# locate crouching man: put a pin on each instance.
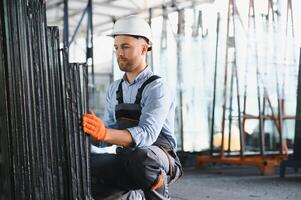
(139, 119)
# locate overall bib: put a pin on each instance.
(135, 169)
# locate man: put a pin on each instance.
(139, 118)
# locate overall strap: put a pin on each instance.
(140, 90)
(119, 93)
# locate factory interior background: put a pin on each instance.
(233, 65)
(266, 53)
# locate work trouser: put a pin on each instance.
(124, 175)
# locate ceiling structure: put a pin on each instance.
(105, 12)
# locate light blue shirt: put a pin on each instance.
(158, 108)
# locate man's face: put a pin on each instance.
(130, 52)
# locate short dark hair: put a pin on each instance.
(147, 40)
(138, 36)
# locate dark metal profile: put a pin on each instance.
(5, 184)
(297, 139)
(44, 153)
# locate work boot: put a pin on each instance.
(160, 193)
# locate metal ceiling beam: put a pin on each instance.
(113, 6)
(103, 14)
(73, 14)
(78, 25)
(105, 23)
(105, 4)
(78, 12)
(170, 8)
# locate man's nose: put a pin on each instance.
(119, 52)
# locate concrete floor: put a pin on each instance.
(221, 182)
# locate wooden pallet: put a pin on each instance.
(265, 164)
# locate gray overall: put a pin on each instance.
(130, 171)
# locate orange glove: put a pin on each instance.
(94, 126)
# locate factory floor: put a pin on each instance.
(223, 182)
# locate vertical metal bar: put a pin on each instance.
(65, 118)
(35, 146)
(51, 111)
(60, 117)
(5, 147)
(35, 165)
(113, 56)
(85, 146)
(150, 57)
(16, 107)
(49, 136)
(40, 29)
(89, 43)
(297, 138)
(81, 135)
(225, 79)
(280, 114)
(262, 139)
(25, 108)
(85, 109)
(230, 116)
(279, 118)
(66, 24)
(214, 84)
(244, 114)
(70, 131)
(19, 104)
(259, 98)
(242, 137)
(75, 124)
(55, 115)
(251, 14)
(181, 28)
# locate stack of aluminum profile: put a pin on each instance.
(44, 153)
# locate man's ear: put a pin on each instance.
(144, 49)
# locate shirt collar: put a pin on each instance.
(141, 76)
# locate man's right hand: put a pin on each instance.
(94, 126)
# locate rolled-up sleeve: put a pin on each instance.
(156, 103)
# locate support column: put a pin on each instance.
(180, 37)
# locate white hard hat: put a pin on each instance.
(133, 25)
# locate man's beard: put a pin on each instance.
(124, 65)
